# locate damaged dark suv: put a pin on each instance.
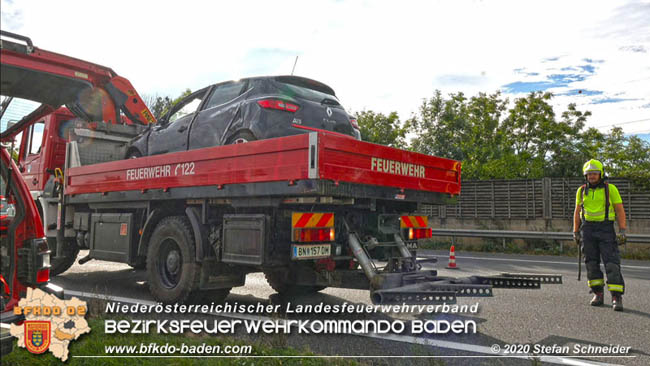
(246, 110)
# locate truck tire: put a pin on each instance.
(59, 265)
(172, 271)
(276, 279)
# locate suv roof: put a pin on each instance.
(291, 79)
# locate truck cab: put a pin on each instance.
(42, 149)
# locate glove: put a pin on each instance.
(621, 238)
(577, 237)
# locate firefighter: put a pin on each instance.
(598, 204)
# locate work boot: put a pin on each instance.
(617, 302)
(597, 300)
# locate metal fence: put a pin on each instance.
(546, 198)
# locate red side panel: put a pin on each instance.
(340, 158)
(277, 159)
(348, 160)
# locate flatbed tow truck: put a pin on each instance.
(311, 211)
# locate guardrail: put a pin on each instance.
(548, 235)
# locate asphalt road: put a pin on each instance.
(555, 315)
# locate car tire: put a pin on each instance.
(59, 265)
(172, 271)
(277, 280)
(241, 137)
(133, 154)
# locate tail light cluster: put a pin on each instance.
(413, 233)
(278, 104)
(415, 227)
(34, 262)
(312, 227)
(304, 235)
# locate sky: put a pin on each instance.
(379, 55)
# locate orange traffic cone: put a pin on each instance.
(452, 258)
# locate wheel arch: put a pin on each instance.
(133, 149)
(230, 136)
(157, 214)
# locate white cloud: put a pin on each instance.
(380, 55)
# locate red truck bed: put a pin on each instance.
(315, 155)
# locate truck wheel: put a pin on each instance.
(62, 264)
(171, 269)
(276, 279)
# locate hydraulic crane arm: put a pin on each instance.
(93, 92)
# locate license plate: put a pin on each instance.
(310, 251)
(412, 245)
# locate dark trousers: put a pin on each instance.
(599, 240)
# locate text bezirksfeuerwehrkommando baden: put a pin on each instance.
(276, 326)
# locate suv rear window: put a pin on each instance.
(306, 89)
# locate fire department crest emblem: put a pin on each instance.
(38, 334)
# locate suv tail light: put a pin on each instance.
(34, 262)
(278, 104)
(353, 122)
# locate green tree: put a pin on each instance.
(381, 129)
(527, 127)
(494, 141)
(626, 157)
(160, 105)
(550, 146)
(574, 148)
(485, 145)
(440, 126)
(463, 129)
